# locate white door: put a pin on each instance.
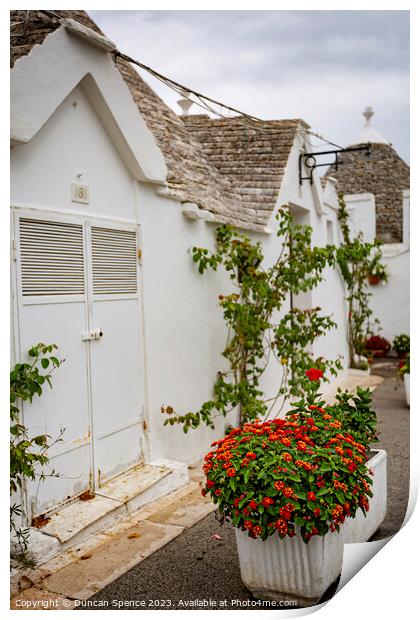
(78, 279)
(116, 373)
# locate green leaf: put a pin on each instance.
(323, 491)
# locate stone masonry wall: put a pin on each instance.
(383, 174)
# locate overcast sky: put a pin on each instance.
(321, 66)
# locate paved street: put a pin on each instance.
(194, 566)
(394, 429)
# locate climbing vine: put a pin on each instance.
(261, 321)
(26, 453)
(354, 257)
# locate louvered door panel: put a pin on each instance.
(114, 261)
(51, 258)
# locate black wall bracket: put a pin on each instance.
(308, 161)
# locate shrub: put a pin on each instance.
(306, 473)
(354, 260)
(27, 453)
(377, 343)
(261, 325)
(401, 343)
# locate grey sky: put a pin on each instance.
(322, 66)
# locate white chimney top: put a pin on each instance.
(368, 134)
(185, 104)
(368, 113)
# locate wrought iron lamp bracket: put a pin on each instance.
(308, 161)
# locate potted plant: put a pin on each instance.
(377, 346)
(401, 345)
(287, 485)
(404, 371)
(377, 271)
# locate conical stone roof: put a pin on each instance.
(383, 174)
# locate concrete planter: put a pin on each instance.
(290, 570)
(361, 528)
(407, 387)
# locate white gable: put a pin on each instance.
(43, 79)
(72, 148)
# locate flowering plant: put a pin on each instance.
(354, 260)
(401, 343)
(304, 473)
(404, 366)
(377, 343)
(377, 268)
(261, 327)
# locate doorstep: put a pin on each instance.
(81, 570)
(123, 494)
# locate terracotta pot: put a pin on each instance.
(402, 355)
(374, 280)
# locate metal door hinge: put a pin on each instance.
(139, 254)
(14, 256)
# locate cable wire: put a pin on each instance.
(201, 100)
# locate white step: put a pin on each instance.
(114, 499)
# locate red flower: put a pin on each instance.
(248, 525)
(251, 455)
(285, 513)
(203, 492)
(311, 496)
(210, 483)
(282, 527)
(253, 505)
(317, 512)
(314, 374)
(236, 501)
(267, 501)
(256, 531)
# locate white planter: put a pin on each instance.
(407, 387)
(361, 528)
(288, 569)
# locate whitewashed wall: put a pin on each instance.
(390, 302)
(184, 328)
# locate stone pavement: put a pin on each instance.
(80, 572)
(174, 553)
(394, 437)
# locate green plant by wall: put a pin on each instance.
(252, 315)
(354, 257)
(401, 343)
(27, 453)
(376, 267)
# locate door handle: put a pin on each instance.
(93, 334)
